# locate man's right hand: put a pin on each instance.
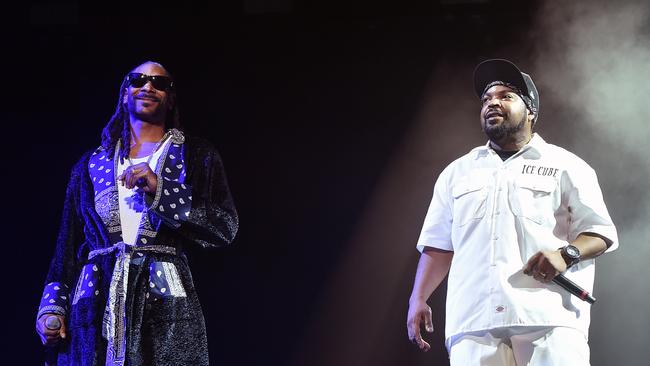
(50, 336)
(419, 313)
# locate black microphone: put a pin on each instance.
(574, 289)
(52, 351)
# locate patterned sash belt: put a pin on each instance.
(114, 323)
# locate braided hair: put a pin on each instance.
(118, 126)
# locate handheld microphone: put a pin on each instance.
(51, 352)
(574, 289)
(52, 322)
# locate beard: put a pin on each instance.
(152, 115)
(503, 130)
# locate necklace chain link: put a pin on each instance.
(155, 148)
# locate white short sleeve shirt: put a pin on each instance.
(494, 215)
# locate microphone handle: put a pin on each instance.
(52, 351)
(573, 288)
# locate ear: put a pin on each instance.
(531, 116)
(125, 96)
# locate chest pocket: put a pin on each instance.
(470, 201)
(533, 198)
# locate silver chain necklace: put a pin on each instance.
(155, 148)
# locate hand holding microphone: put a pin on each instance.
(51, 328)
(547, 266)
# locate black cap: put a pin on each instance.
(506, 73)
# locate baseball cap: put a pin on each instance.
(503, 72)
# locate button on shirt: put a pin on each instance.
(494, 215)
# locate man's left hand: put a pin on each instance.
(545, 265)
(139, 175)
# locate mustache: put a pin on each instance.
(147, 97)
(493, 112)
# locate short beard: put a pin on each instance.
(498, 133)
(154, 118)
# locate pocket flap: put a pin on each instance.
(466, 186)
(536, 183)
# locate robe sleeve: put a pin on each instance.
(201, 209)
(64, 267)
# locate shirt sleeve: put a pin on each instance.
(587, 209)
(436, 230)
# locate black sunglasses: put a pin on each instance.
(138, 80)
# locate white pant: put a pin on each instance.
(520, 346)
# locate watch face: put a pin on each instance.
(572, 251)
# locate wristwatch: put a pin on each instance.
(571, 255)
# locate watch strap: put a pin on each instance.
(570, 259)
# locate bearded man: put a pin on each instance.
(504, 221)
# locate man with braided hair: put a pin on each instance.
(119, 290)
(504, 220)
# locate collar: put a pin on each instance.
(534, 146)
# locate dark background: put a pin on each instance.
(308, 103)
